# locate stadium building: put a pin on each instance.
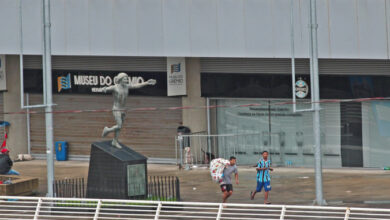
(224, 53)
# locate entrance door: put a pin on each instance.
(351, 135)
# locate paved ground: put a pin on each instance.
(342, 187)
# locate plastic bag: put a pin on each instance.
(216, 169)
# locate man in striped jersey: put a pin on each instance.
(263, 177)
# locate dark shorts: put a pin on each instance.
(226, 187)
(266, 185)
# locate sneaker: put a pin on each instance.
(105, 132)
(116, 144)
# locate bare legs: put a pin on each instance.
(226, 195)
(119, 117)
(253, 194)
(265, 196)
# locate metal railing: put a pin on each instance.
(200, 149)
(70, 188)
(71, 208)
(164, 188)
(160, 188)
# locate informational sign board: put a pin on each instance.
(93, 82)
(136, 180)
(176, 76)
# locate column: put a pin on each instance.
(195, 119)
(17, 136)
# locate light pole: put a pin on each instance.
(316, 98)
(49, 97)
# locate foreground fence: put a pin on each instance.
(164, 188)
(70, 188)
(200, 149)
(95, 209)
(160, 188)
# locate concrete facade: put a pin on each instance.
(195, 119)
(201, 28)
(184, 28)
(17, 136)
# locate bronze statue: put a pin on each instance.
(120, 90)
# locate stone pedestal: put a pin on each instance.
(116, 173)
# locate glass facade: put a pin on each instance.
(376, 133)
(353, 134)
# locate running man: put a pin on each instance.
(263, 177)
(226, 181)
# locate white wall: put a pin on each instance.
(199, 28)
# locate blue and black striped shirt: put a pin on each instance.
(263, 175)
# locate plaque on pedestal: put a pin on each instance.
(116, 173)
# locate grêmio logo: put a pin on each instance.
(175, 68)
(301, 89)
(64, 82)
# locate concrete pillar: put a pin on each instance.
(17, 136)
(195, 119)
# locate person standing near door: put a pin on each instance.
(263, 177)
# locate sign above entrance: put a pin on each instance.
(301, 89)
(92, 82)
(176, 76)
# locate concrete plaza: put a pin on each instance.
(342, 187)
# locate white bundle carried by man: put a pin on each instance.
(216, 168)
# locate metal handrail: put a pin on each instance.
(74, 208)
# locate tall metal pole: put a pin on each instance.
(21, 53)
(208, 128)
(49, 97)
(208, 116)
(292, 54)
(316, 93)
(28, 125)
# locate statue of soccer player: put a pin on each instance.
(120, 90)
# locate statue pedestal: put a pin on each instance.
(116, 173)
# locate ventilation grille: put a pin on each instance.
(283, 66)
(156, 64)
